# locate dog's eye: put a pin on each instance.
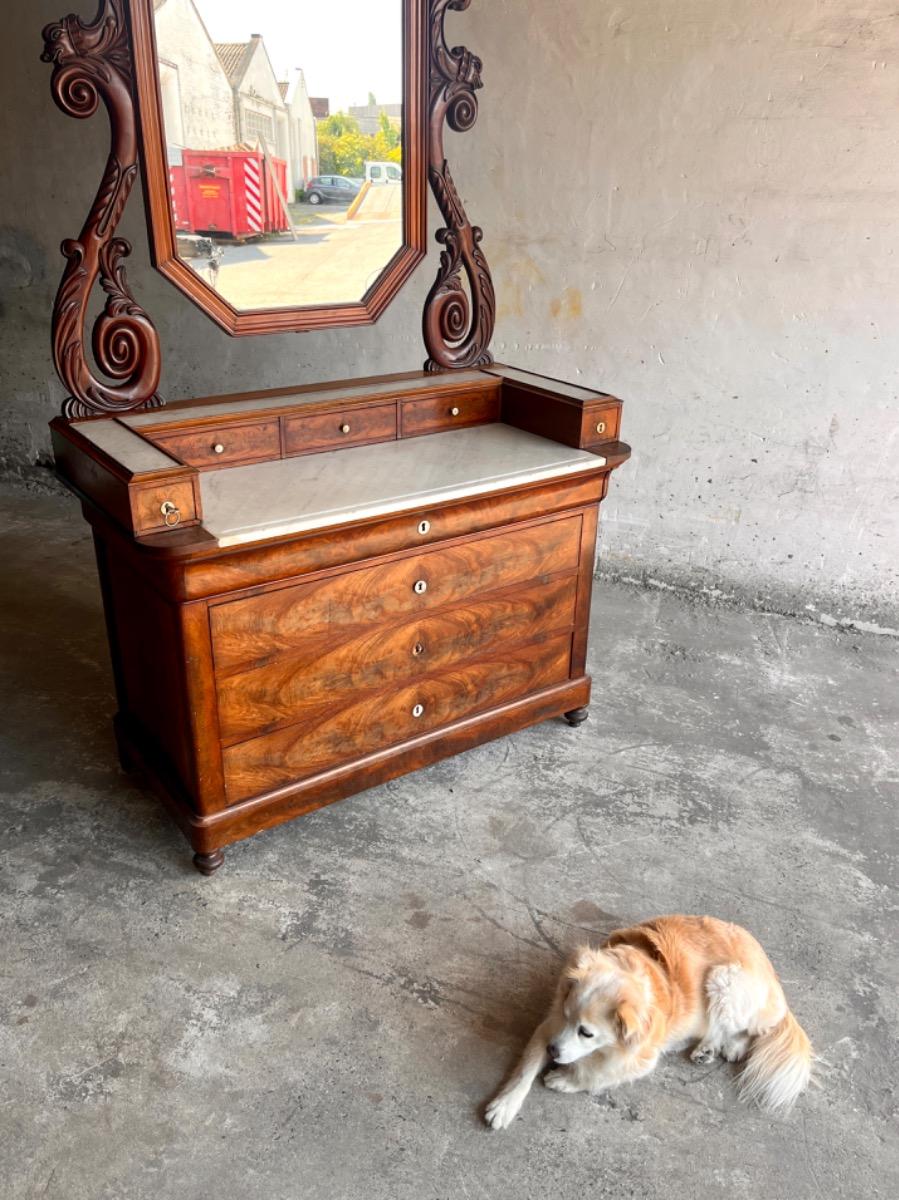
(584, 1032)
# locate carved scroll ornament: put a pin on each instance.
(457, 324)
(93, 62)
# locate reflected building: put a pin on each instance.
(222, 95)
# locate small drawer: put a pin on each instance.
(373, 722)
(162, 506)
(449, 412)
(351, 427)
(600, 424)
(223, 444)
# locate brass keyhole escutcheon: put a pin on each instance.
(420, 587)
(418, 649)
(418, 710)
(344, 429)
(454, 412)
(600, 426)
(171, 514)
(424, 527)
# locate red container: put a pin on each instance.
(178, 195)
(275, 217)
(229, 193)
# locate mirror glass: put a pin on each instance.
(283, 124)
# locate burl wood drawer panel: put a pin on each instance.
(215, 446)
(600, 424)
(328, 675)
(449, 412)
(150, 503)
(352, 427)
(261, 628)
(383, 719)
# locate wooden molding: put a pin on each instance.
(457, 324)
(92, 62)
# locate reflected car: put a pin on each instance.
(332, 188)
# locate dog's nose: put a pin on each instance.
(553, 1051)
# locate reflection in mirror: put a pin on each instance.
(283, 128)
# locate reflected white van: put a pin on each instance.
(384, 172)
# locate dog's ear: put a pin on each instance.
(631, 1023)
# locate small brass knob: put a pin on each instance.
(418, 649)
(418, 710)
(218, 448)
(344, 429)
(420, 587)
(424, 527)
(454, 412)
(600, 426)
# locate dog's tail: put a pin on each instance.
(779, 1066)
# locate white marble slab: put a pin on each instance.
(542, 381)
(125, 447)
(229, 407)
(295, 495)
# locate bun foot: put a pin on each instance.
(576, 716)
(208, 864)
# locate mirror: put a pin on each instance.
(282, 149)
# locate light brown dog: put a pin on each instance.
(657, 987)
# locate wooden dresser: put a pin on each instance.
(309, 592)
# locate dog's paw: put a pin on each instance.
(502, 1110)
(560, 1081)
(702, 1054)
(737, 1048)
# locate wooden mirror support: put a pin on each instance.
(94, 61)
(457, 330)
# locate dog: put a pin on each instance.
(658, 987)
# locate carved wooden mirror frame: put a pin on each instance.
(97, 61)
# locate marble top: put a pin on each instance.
(225, 407)
(295, 495)
(127, 448)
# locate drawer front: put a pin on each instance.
(600, 425)
(385, 719)
(152, 503)
(288, 620)
(225, 444)
(325, 431)
(328, 676)
(249, 567)
(449, 412)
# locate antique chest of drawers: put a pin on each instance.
(311, 592)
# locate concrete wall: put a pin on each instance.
(694, 204)
(690, 203)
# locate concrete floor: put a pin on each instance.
(324, 1019)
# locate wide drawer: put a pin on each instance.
(215, 446)
(449, 412)
(351, 427)
(289, 620)
(328, 675)
(384, 719)
(247, 567)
